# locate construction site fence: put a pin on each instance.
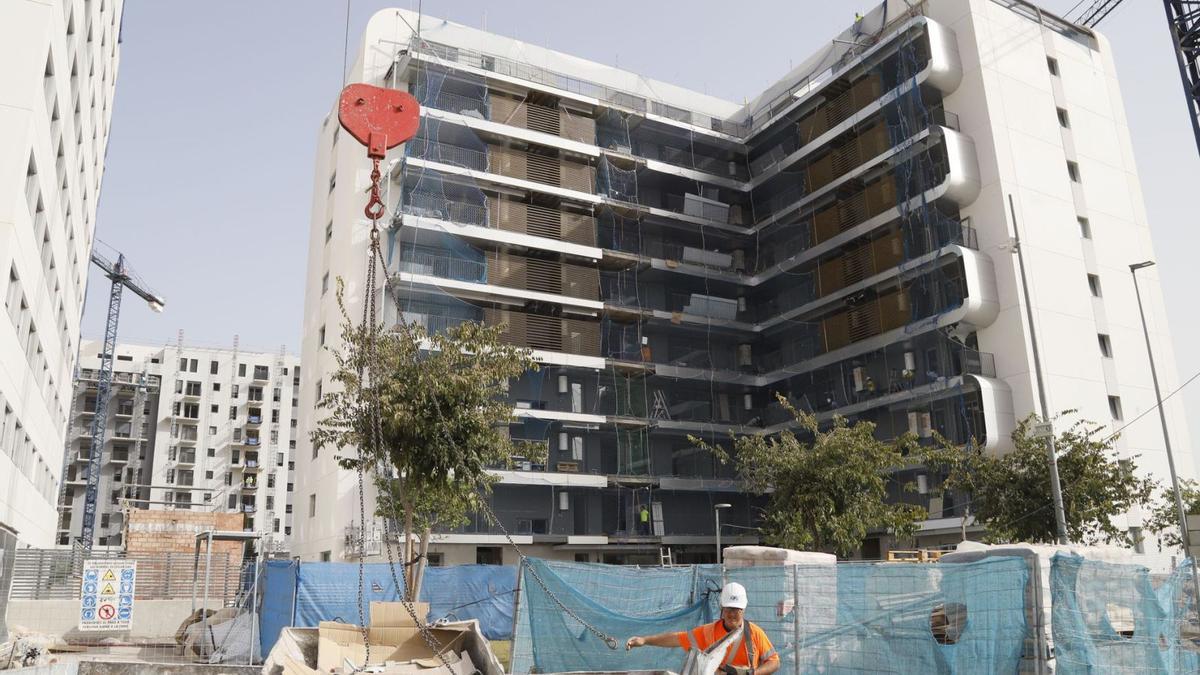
(306, 593)
(54, 574)
(969, 617)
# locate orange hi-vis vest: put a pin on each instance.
(752, 655)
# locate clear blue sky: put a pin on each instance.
(209, 168)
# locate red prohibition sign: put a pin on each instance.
(107, 612)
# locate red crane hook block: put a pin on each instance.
(378, 118)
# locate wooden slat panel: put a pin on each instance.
(544, 332)
(544, 276)
(579, 177)
(576, 127)
(578, 229)
(543, 169)
(541, 118)
(507, 110)
(507, 162)
(544, 222)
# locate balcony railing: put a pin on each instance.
(443, 266)
(444, 153)
(525, 71)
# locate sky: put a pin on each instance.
(209, 171)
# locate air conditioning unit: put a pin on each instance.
(567, 467)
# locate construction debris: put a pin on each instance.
(397, 646)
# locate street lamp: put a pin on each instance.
(1162, 418)
(717, 513)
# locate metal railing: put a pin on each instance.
(53, 574)
(432, 205)
(444, 153)
(623, 99)
(444, 266)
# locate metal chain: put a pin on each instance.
(374, 210)
(604, 637)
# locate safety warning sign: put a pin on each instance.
(106, 595)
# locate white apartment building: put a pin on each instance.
(675, 260)
(189, 428)
(56, 92)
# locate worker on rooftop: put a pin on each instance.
(752, 656)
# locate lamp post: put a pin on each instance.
(1162, 418)
(1060, 514)
(717, 514)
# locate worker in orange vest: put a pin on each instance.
(751, 655)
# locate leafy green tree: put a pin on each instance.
(1164, 516)
(442, 418)
(1011, 496)
(826, 493)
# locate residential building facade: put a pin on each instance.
(676, 262)
(56, 93)
(188, 428)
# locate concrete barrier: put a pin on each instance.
(152, 619)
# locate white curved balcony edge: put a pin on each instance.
(497, 235)
(999, 416)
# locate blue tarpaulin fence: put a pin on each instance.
(304, 594)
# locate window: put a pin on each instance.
(193, 365)
(326, 556)
(1052, 64)
(1105, 346)
(212, 452)
(212, 431)
(213, 367)
(488, 555)
(1064, 120)
(329, 231)
(325, 283)
(287, 530)
(436, 559)
(1094, 285)
(216, 386)
(1073, 171)
(215, 409)
(321, 336)
(1085, 227)
(1114, 407)
(241, 370)
(208, 475)
(312, 506)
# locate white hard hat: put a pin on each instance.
(733, 595)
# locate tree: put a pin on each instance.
(827, 493)
(1011, 496)
(441, 424)
(1164, 516)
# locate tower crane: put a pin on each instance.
(121, 277)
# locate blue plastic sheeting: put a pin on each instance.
(848, 618)
(305, 594)
(1110, 618)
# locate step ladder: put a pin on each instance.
(661, 411)
(664, 556)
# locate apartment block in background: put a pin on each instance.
(189, 428)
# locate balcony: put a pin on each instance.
(251, 465)
(261, 374)
(254, 419)
(186, 458)
(249, 485)
(249, 508)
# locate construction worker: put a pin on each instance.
(752, 655)
(644, 520)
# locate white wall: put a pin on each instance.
(35, 388)
(1007, 103)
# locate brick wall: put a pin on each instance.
(157, 532)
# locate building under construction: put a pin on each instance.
(845, 239)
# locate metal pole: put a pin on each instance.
(204, 600)
(253, 608)
(796, 616)
(1060, 515)
(1162, 417)
(717, 513)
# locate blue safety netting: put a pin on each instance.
(305, 594)
(1110, 618)
(848, 618)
